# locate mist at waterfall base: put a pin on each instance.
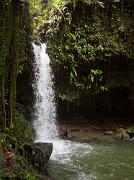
(74, 160)
(45, 125)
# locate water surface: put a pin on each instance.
(92, 160)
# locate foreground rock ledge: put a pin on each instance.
(37, 155)
(46, 148)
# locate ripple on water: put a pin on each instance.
(90, 161)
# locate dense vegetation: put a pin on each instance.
(86, 40)
(15, 43)
(90, 44)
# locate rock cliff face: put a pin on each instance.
(37, 155)
(91, 52)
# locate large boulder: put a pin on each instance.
(46, 148)
(37, 155)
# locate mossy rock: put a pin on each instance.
(125, 133)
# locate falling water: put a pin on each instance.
(45, 106)
(45, 113)
(74, 160)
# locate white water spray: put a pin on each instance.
(45, 110)
(45, 106)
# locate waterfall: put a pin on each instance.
(44, 124)
(44, 105)
(45, 110)
(45, 117)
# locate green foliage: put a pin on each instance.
(75, 51)
(83, 35)
(23, 129)
(42, 14)
(17, 133)
(10, 137)
(124, 132)
(35, 11)
(17, 172)
(54, 12)
(14, 50)
(79, 43)
(68, 94)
